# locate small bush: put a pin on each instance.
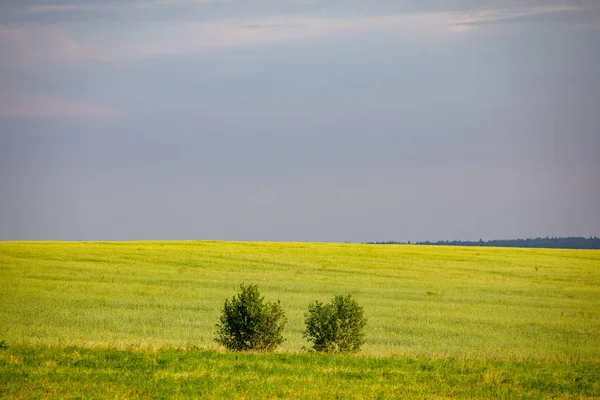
(3, 345)
(248, 323)
(337, 326)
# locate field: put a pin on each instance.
(131, 319)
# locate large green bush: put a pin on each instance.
(248, 323)
(337, 326)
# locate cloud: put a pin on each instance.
(476, 19)
(31, 47)
(157, 40)
(118, 6)
(26, 48)
(39, 106)
(29, 55)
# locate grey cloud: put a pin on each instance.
(349, 202)
(366, 136)
(113, 12)
(583, 17)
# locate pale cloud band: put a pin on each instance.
(116, 6)
(28, 45)
(39, 106)
(36, 48)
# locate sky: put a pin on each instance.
(299, 120)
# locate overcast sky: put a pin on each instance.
(301, 120)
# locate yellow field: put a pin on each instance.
(419, 300)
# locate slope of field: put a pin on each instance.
(435, 302)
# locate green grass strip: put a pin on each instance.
(75, 372)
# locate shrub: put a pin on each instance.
(248, 323)
(337, 326)
(3, 345)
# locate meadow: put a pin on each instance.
(452, 322)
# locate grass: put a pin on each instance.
(74, 372)
(528, 320)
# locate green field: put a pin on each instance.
(485, 322)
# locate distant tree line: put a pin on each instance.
(545, 243)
